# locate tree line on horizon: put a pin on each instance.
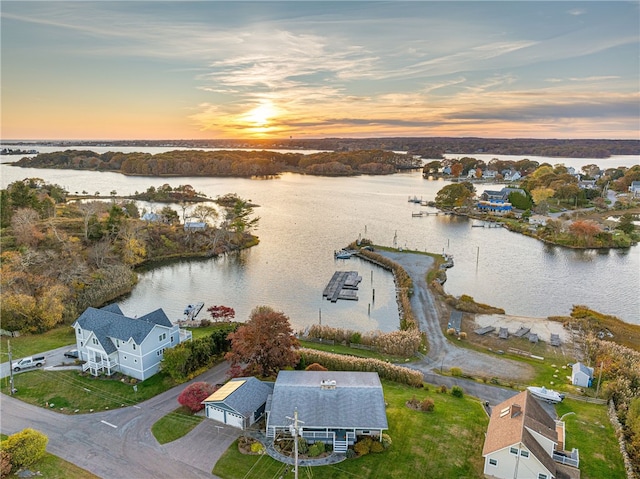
(226, 163)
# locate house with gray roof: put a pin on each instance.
(109, 342)
(333, 406)
(634, 188)
(239, 403)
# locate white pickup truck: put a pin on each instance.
(28, 363)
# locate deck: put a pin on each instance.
(342, 285)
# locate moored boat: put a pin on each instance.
(343, 254)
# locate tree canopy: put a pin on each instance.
(454, 195)
(266, 343)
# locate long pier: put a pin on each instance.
(343, 285)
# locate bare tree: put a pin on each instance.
(24, 224)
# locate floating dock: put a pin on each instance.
(192, 310)
(343, 285)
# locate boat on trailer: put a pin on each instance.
(548, 395)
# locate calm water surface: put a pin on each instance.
(305, 218)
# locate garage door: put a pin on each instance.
(235, 420)
(215, 414)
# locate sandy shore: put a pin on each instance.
(540, 326)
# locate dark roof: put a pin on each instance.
(355, 400)
(107, 324)
(247, 398)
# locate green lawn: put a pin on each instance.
(174, 425)
(53, 467)
(445, 443)
(590, 431)
(71, 392)
(29, 344)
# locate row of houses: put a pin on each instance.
(335, 407)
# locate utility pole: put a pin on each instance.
(11, 388)
(295, 429)
(599, 378)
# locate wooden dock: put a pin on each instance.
(343, 285)
(192, 310)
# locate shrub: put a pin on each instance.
(314, 450)
(303, 445)
(26, 447)
(320, 446)
(257, 448)
(456, 371)
(193, 395)
(427, 405)
(463, 335)
(315, 367)
(351, 454)
(451, 331)
(362, 448)
(386, 441)
(355, 338)
(339, 362)
(457, 391)
(376, 446)
(5, 463)
(443, 389)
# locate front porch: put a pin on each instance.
(97, 363)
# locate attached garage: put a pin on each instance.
(239, 403)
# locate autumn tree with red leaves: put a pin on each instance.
(222, 313)
(266, 343)
(193, 395)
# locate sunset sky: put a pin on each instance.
(303, 69)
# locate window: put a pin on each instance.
(94, 340)
(79, 331)
(514, 450)
(542, 476)
(493, 462)
(172, 338)
(134, 346)
(524, 453)
(125, 358)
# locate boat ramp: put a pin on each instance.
(343, 285)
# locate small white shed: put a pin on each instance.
(581, 375)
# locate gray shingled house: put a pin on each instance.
(335, 406)
(239, 403)
(108, 341)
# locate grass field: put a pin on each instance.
(70, 392)
(589, 430)
(29, 344)
(445, 443)
(174, 425)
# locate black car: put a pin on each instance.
(72, 353)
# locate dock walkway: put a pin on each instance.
(343, 285)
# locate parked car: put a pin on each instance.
(72, 353)
(28, 363)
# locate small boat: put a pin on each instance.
(342, 254)
(548, 395)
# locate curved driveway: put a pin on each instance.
(118, 443)
(442, 353)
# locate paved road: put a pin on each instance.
(54, 358)
(442, 353)
(116, 444)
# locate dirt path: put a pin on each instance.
(442, 353)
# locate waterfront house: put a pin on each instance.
(239, 403)
(333, 406)
(581, 375)
(512, 175)
(524, 441)
(587, 184)
(195, 226)
(634, 188)
(109, 342)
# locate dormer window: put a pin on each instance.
(134, 346)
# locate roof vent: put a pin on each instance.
(328, 384)
(516, 410)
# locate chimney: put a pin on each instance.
(516, 410)
(328, 384)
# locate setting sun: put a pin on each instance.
(259, 117)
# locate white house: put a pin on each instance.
(335, 406)
(581, 375)
(634, 188)
(108, 341)
(524, 442)
(239, 403)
